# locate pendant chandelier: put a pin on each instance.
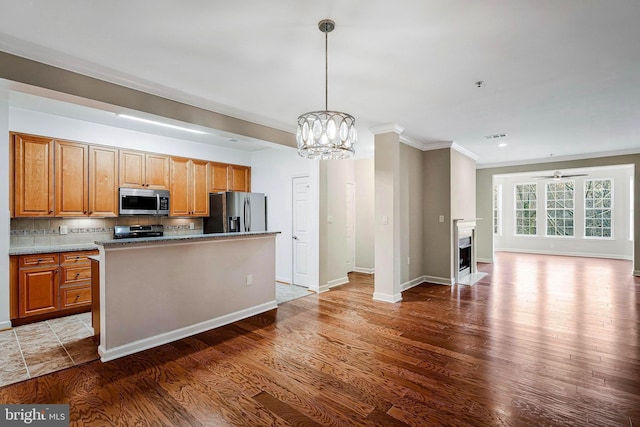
(326, 134)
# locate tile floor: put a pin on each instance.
(287, 292)
(40, 348)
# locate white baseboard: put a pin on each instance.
(485, 260)
(379, 296)
(167, 337)
(364, 270)
(5, 325)
(439, 280)
(636, 272)
(411, 283)
(337, 282)
(577, 254)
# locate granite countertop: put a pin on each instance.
(191, 237)
(32, 250)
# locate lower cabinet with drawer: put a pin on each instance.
(45, 286)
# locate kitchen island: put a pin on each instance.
(160, 289)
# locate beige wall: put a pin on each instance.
(146, 300)
(365, 215)
(463, 186)
(484, 191)
(411, 214)
(334, 174)
(437, 201)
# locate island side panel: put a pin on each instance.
(160, 289)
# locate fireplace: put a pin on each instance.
(464, 249)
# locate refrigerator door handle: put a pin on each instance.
(248, 222)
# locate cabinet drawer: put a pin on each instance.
(76, 258)
(39, 260)
(75, 296)
(75, 274)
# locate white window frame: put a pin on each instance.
(497, 209)
(547, 209)
(611, 208)
(515, 209)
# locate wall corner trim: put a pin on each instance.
(379, 296)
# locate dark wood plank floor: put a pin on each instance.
(540, 341)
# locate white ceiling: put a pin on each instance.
(562, 77)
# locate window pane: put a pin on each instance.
(598, 204)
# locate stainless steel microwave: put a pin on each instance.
(137, 201)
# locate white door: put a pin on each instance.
(300, 232)
(350, 227)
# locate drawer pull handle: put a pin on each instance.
(77, 257)
(78, 296)
(39, 259)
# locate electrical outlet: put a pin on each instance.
(330, 219)
(64, 229)
(441, 218)
(249, 279)
(192, 226)
(385, 219)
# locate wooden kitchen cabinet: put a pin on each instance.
(72, 179)
(49, 285)
(239, 178)
(86, 180)
(144, 170)
(33, 176)
(37, 284)
(218, 177)
(103, 181)
(189, 187)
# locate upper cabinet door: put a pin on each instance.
(200, 188)
(33, 176)
(240, 177)
(103, 181)
(179, 201)
(219, 177)
(132, 165)
(157, 171)
(144, 170)
(72, 179)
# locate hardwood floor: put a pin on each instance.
(539, 341)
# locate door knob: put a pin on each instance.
(295, 237)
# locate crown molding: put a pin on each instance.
(465, 152)
(387, 128)
(584, 156)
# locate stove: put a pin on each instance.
(137, 231)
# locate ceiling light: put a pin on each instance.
(153, 122)
(326, 134)
(502, 144)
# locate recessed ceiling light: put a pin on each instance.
(502, 144)
(232, 140)
(153, 122)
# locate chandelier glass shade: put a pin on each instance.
(326, 134)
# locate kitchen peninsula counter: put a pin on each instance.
(160, 289)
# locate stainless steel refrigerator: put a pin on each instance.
(234, 211)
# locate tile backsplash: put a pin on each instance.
(27, 232)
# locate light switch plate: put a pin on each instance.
(441, 218)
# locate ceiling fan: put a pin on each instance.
(559, 175)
